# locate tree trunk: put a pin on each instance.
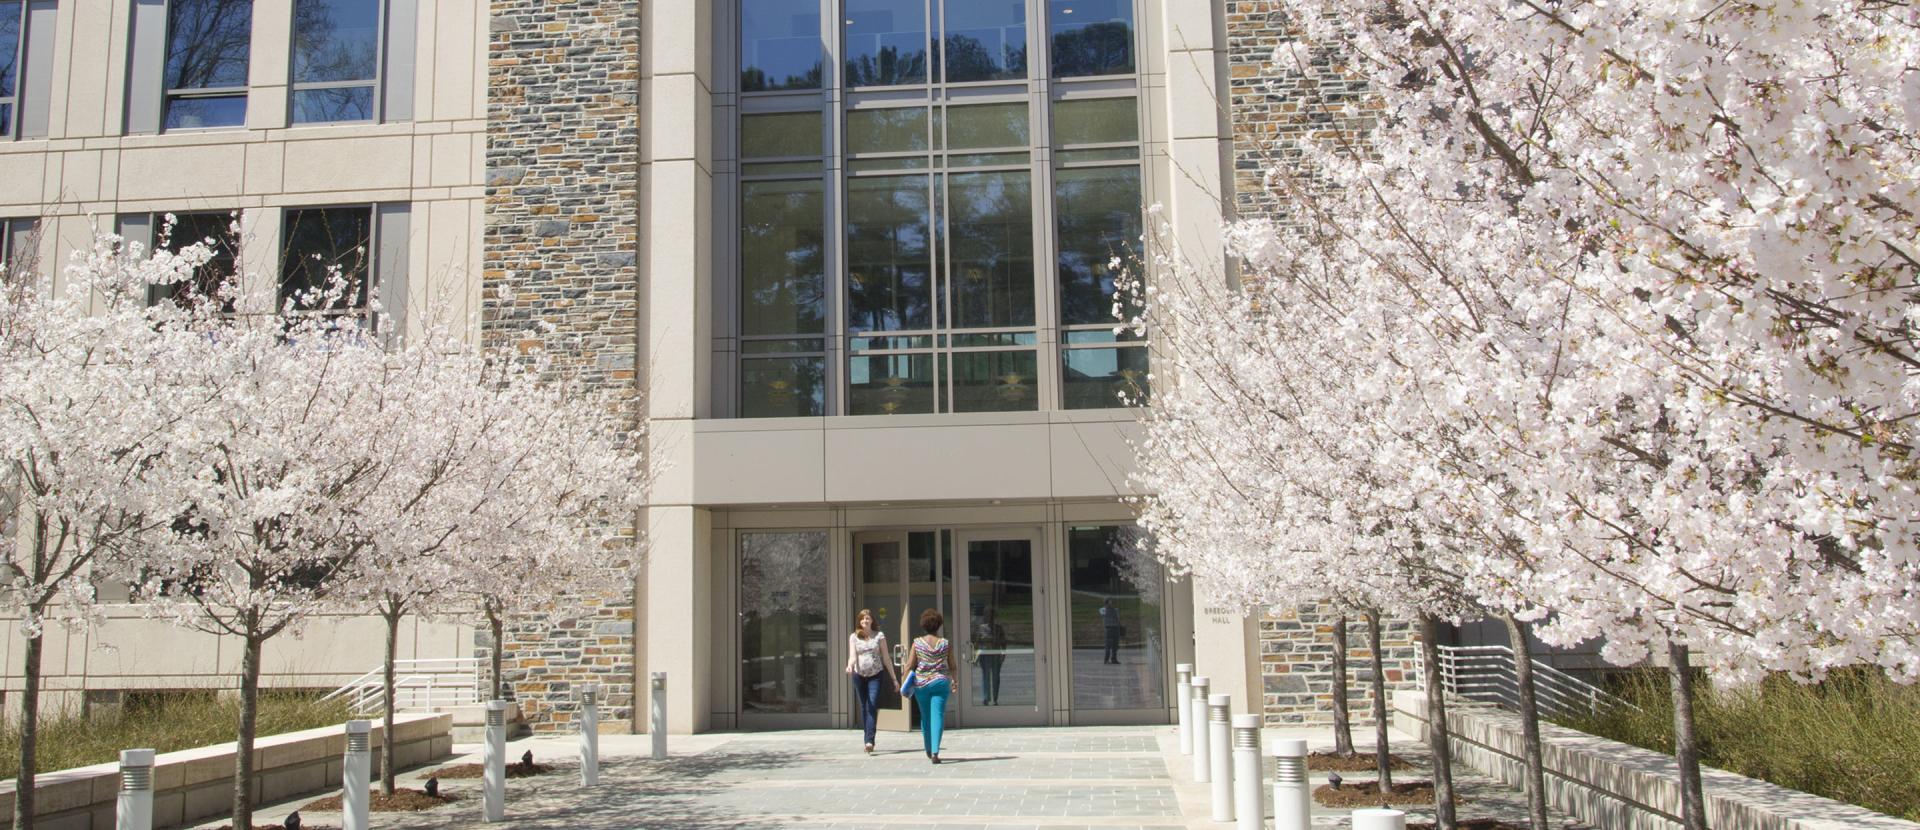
(1686, 742)
(392, 613)
(1536, 780)
(1342, 719)
(249, 724)
(29, 729)
(499, 646)
(1382, 754)
(1438, 735)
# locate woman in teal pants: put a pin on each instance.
(932, 683)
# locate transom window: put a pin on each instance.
(930, 208)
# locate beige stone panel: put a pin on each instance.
(180, 174)
(266, 107)
(678, 577)
(349, 164)
(883, 518)
(131, 647)
(444, 273)
(422, 161)
(1100, 512)
(1189, 25)
(426, 41)
(327, 647)
(50, 178)
(1192, 109)
(458, 62)
(79, 177)
(266, 167)
(945, 463)
(777, 466)
(260, 230)
(1092, 459)
(21, 178)
(681, 34)
(676, 101)
(672, 443)
(451, 160)
(677, 260)
(91, 53)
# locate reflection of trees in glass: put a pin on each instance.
(207, 43)
(888, 67)
(992, 249)
(755, 79)
(1094, 49)
(323, 242)
(782, 246)
(335, 40)
(887, 254)
(783, 572)
(968, 59)
(783, 600)
(1099, 217)
(783, 387)
(10, 11)
(1136, 565)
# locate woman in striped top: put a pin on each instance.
(931, 684)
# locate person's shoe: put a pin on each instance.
(869, 749)
(936, 759)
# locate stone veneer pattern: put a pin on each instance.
(1296, 666)
(560, 248)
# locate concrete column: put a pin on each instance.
(134, 807)
(678, 586)
(493, 763)
(1292, 801)
(1185, 708)
(1202, 758)
(1220, 754)
(1249, 803)
(355, 771)
(589, 720)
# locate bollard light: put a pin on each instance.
(589, 735)
(1249, 807)
(1374, 818)
(134, 808)
(493, 763)
(1202, 760)
(355, 771)
(1185, 691)
(1220, 752)
(657, 726)
(1292, 803)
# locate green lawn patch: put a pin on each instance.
(165, 722)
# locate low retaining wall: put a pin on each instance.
(1622, 787)
(195, 784)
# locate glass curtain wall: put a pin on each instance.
(897, 205)
(784, 662)
(1117, 590)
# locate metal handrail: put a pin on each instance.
(427, 683)
(1488, 674)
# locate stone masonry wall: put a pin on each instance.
(1296, 666)
(561, 247)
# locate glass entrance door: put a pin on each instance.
(897, 576)
(997, 629)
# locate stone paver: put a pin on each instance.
(1088, 778)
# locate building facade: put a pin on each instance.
(853, 259)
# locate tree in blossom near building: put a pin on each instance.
(1631, 285)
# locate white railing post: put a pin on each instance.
(1220, 745)
(1249, 807)
(1377, 819)
(657, 724)
(133, 809)
(589, 735)
(1185, 709)
(1292, 804)
(1202, 758)
(493, 760)
(356, 770)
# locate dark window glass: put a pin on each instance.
(995, 382)
(1095, 121)
(1118, 653)
(336, 43)
(10, 15)
(780, 135)
(782, 266)
(990, 244)
(779, 45)
(1097, 378)
(1099, 218)
(981, 126)
(321, 243)
(208, 44)
(887, 254)
(1091, 37)
(783, 623)
(890, 384)
(986, 40)
(783, 387)
(886, 42)
(214, 230)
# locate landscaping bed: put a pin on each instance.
(514, 770)
(403, 800)
(1357, 762)
(164, 722)
(1366, 794)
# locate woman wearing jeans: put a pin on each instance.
(931, 684)
(866, 662)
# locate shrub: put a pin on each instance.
(166, 722)
(1851, 738)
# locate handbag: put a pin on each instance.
(906, 685)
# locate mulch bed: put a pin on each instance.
(278, 827)
(1357, 762)
(514, 770)
(403, 800)
(1365, 794)
(1475, 824)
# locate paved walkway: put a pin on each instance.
(991, 779)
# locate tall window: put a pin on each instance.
(26, 63)
(336, 60)
(208, 47)
(1118, 652)
(784, 666)
(898, 209)
(17, 238)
